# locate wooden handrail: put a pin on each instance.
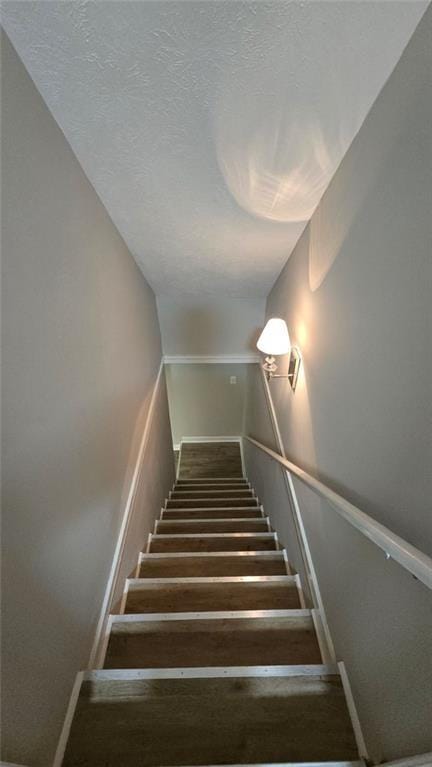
(408, 556)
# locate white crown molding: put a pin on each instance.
(216, 359)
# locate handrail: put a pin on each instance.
(411, 558)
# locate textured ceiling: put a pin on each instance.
(210, 129)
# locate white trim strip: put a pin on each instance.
(321, 637)
(215, 579)
(189, 492)
(237, 484)
(408, 556)
(266, 536)
(122, 536)
(287, 564)
(124, 597)
(105, 643)
(210, 359)
(178, 461)
(309, 764)
(149, 541)
(64, 735)
(209, 672)
(275, 554)
(258, 507)
(300, 590)
(200, 440)
(215, 615)
(352, 710)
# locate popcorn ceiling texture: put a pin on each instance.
(210, 129)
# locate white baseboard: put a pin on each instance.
(214, 359)
(64, 735)
(121, 540)
(355, 721)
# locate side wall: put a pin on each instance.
(356, 295)
(81, 352)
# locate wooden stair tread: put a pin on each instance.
(227, 641)
(227, 512)
(211, 480)
(233, 593)
(218, 493)
(213, 563)
(214, 542)
(212, 485)
(185, 503)
(236, 525)
(157, 720)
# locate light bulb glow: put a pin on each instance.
(274, 339)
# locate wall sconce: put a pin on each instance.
(274, 341)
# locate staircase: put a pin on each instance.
(213, 659)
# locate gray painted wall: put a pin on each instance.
(203, 402)
(356, 295)
(210, 325)
(81, 350)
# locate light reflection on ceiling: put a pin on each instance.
(210, 129)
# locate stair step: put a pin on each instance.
(211, 486)
(223, 640)
(241, 525)
(218, 542)
(211, 480)
(212, 564)
(261, 592)
(224, 512)
(210, 716)
(191, 503)
(219, 493)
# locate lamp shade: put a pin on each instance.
(274, 339)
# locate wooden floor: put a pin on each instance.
(210, 459)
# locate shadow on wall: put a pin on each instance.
(337, 211)
(253, 338)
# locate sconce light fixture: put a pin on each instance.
(274, 341)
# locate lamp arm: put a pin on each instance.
(293, 366)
